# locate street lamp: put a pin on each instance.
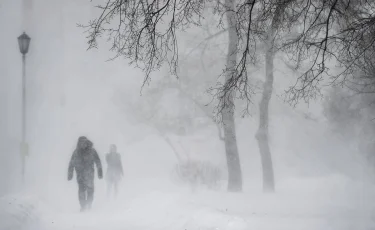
(23, 43)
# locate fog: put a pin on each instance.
(322, 180)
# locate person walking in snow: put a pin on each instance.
(83, 159)
(114, 170)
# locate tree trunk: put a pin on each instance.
(262, 134)
(233, 160)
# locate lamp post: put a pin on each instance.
(23, 43)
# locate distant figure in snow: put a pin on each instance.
(114, 170)
(83, 159)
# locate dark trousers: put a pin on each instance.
(85, 194)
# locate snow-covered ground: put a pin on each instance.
(148, 199)
(304, 208)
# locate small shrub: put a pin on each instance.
(198, 173)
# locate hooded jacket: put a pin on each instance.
(83, 159)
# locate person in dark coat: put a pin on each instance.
(114, 170)
(83, 159)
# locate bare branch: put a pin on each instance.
(341, 30)
(204, 42)
(145, 32)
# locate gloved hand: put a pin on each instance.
(70, 176)
(100, 173)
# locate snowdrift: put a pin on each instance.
(155, 210)
(20, 212)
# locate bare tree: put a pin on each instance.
(341, 31)
(141, 35)
(226, 97)
(319, 32)
(262, 133)
(141, 117)
(227, 113)
(205, 110)
(338, 30)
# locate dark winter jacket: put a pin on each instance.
(83, 160)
